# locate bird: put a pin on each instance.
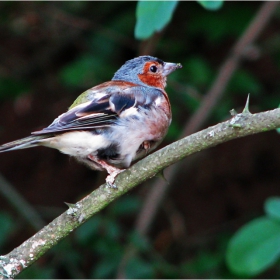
(114, 123)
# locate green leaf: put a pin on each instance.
(211, 5)
(255, 247)
(152, 16)
(272, 207)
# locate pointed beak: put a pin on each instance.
(170, 67)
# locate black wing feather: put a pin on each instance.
(95, 114)
(102, 112)
(122, 102)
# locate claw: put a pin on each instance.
(111, 178)
(111, 186)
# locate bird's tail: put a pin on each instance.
(24, 143)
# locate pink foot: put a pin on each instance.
(110, 179)
(113, 171)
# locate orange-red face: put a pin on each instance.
(153, 75)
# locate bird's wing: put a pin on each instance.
(105, 107)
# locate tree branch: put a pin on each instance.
(239, 126)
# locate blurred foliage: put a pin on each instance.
(256, 246)
(52, 51)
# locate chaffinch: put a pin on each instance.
(114, 123)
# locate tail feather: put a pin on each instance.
(24, 143)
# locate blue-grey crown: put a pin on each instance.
(130, 70)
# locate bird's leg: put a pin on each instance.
(146, 146)
(112, 171)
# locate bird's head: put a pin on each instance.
(146, 70)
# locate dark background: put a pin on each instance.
(52, 51)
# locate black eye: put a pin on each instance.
(153, 69)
